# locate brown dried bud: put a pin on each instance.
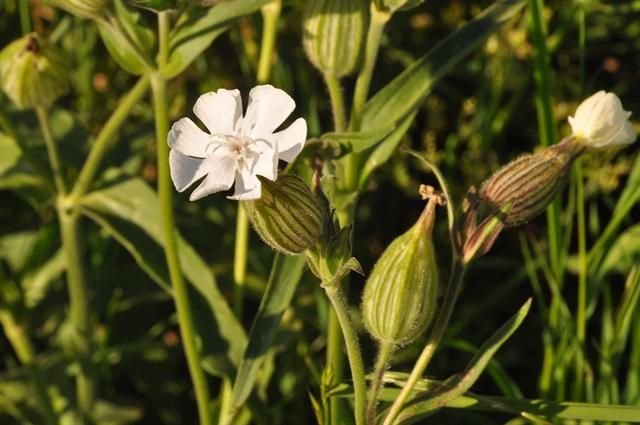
(529, 183)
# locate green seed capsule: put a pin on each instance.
(399, 298)
(333, 34)
(33, 72)
(287, 216)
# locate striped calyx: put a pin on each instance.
(287, 216)
(333, 34)
(33, 72)
(529, 183)
(400, 295)
(81, 8)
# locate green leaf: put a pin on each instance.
(283, 281)
(36, 282)
(629, 197)
(136, 28)
(130, 211)
(384, 150)
(357, 142)
(460, 383)
(552, 410)
(155, 5)
(107, 413)
(405, 93)
(196, 30)
(11, 153)
(624, 252)
(121, 48)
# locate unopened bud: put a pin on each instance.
(33, 72)
(529, 183)
(287, 215)
(86, 9)
(333, 34)
(399, 298)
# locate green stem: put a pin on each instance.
(353, 351)
(581, 314)
(78, 304)
(453, 288)
(240, 260)
(105, 137)
(52, 150)
(21, 343)
(270, 16)
(165, 191)
(76, 280)
(361, 92)
(337, 101)
(376, 28)
(544, 109)
(25, 16)
(335, 362)
(384, 354)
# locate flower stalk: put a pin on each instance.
(178, 284)
(353, 349)
(384, 355)
(270, 15)
(79, 306)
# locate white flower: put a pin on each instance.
(601, 122)
(236, 148)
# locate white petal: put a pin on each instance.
(221, 175)
(220, 111)
(624, 135)
(291, 140)
(583, 112)
(268, 108)
(185, 170)
(186, 137)
(267, 162)
(628, 135)
(248, 187)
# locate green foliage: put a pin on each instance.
(91, 325)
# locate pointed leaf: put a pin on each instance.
(199, 27)
(283, 281)
(385, 149)
(130, 211)
(404, 94)
(460, 383)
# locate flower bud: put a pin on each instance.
(400, 295)
(333, 34)
(86, 9)
(33, 72)
(601, 122)
(287, 215)
(528, 183)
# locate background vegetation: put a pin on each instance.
(481, 114)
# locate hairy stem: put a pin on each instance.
(105, 137)
(353, 351)
(165, 191)
(52, 150)
(384, 354)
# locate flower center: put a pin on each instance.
(238, 147)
